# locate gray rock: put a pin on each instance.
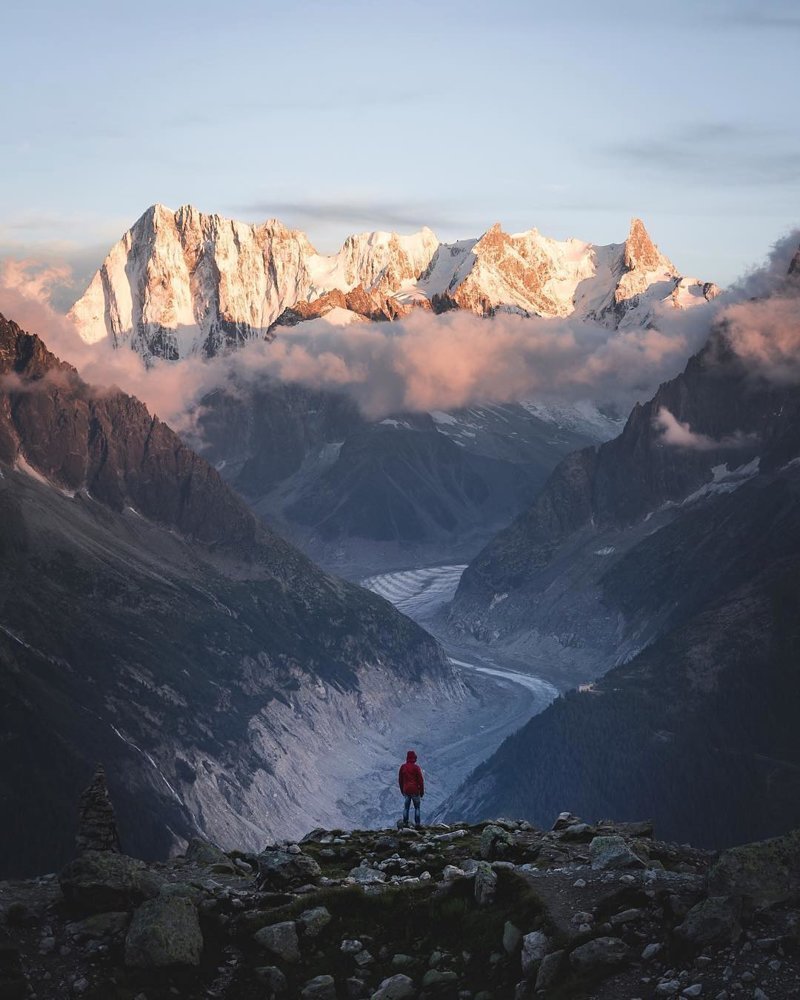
(485, 884)
(564, 820)
(495, 842)
(203, 852)
(398, 987)
(98, 926)
(534, 948)
(101, 881)
(351, 946)
(668, 988)
(164, 932)
(695, 990)
(711, 921)
(549, 970)
(438, 979)
(762, 874)
(601, 954)
(365, 875)
(452, 872)
(626, 917)
(278, 869)
(651, 951)
(313, 922)
(512, 937)
(363, 958)
(280, 940)
(319, 988)
(611, 853)
(273, 979)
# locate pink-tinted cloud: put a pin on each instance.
(680, 435)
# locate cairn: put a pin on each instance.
(97, 825)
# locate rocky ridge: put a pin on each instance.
(185, 283)
(147, 620)
(466, 912)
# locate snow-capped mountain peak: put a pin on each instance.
(182, 283)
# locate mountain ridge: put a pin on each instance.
(185, 283)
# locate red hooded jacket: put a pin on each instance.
(410, 776)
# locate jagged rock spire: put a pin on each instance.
(640, 251)
(97, 825)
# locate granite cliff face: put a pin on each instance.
(148, 621)
(184, 283)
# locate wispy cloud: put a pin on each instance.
(730, 153)
(680, 435)
(351, 213)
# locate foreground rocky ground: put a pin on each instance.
(494, 910)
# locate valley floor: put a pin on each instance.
(451, 738)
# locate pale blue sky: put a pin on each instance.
(347, 116)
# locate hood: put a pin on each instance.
(411, 757)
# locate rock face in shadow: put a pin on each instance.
(676, 562)
(148, 621)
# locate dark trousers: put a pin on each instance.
(408, 800)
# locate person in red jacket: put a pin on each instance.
(412, 785)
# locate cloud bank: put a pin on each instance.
(426, 362)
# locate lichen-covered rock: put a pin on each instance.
(761, 874)
(101, 881)
(280, 940)
(612, 852)
(495, 842)
(485, 884)
(279, 869)
(603, 954)
(203, 852)
(164, 932)
(711, 921)
(313, 922)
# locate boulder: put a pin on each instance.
(203, 852)
(711, 921)
(365, 875)
(549, 970)
(603, 954)
(273, 979)
(611, 853)
(280, 940)
(312, 922)
(319, 988)
(760, 874)
(495, 842)
(485, 884)
(101, 881)
(97, 825)
(279, 869)
(564, 820)
(398, 987)
(164, 933)
(534, 948)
